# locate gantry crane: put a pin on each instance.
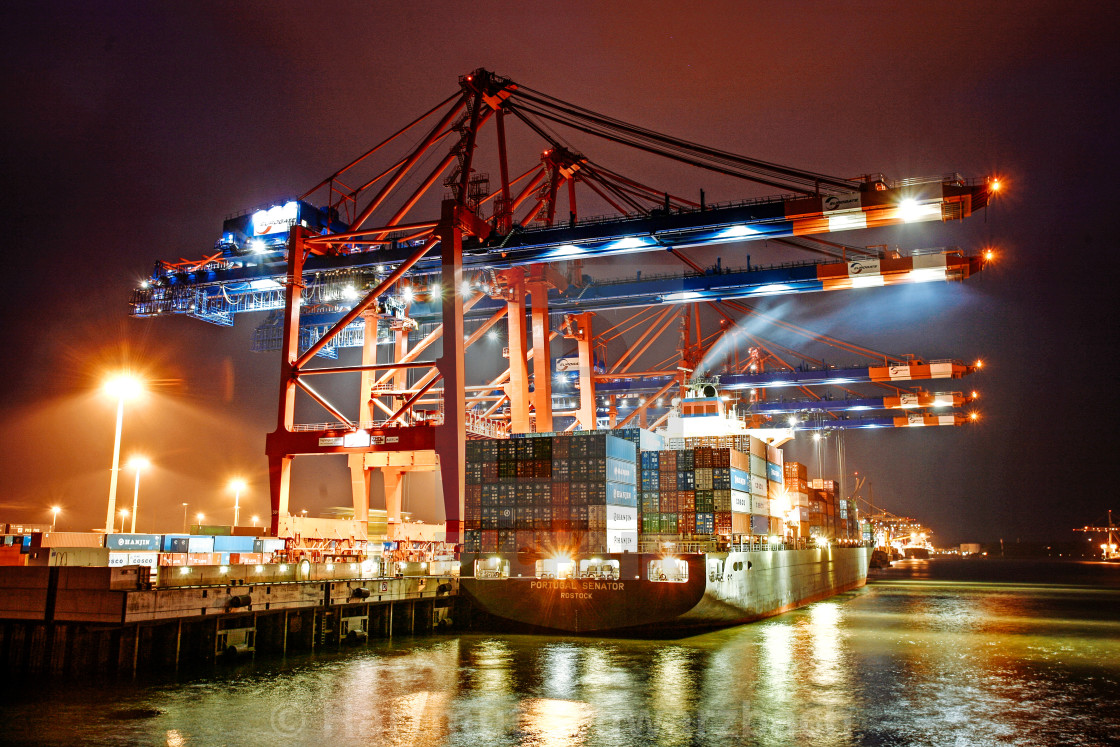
(1110, 550)
(362, 267)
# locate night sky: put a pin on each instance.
(132, 129)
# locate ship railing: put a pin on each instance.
(740, 543)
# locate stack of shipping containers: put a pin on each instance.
(600, 491)
(698, 490)
(797, 490)
(573, 491)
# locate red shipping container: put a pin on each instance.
(686, 501)
(686, 522)
(723, 522)
(740, 523)
(489, 540)
(668, 501)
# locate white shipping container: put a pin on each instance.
(758, 485)
(740, 502)
(622, 518)
(118, 559)
(80, 556)
(200, 544)
(150, 559)
(622, 541)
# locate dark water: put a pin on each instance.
(929, 653)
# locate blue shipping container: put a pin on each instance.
(774, 473)
(231, 543)
(621, 495)
(621, 471)
(705, 523)
(619, 448)
(740, 480)
(650, 460)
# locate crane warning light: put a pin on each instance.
(979, 364)
(973, 416)
(976, 395)
(989, 255)
(995, 185)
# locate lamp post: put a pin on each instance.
(55, 510)
(124, 518)
(200, 517)
(256, 520)
(137, 463)
(123, 387)
(184, 518)
(237, 486)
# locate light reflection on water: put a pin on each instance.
(902, 661)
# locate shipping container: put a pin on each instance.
(669, 523)
(669, 501)
(66, 539)
(723, 523)
(740, 502)
(80, 556)
(234, 544)
(774, 455)
(686, 501)
(774, 473)
(760, 524)
(686, 522)
(758, 448)
(758, 466)
(135, 542)
(705, 522)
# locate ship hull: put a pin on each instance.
(722, 588)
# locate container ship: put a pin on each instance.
(629, 530)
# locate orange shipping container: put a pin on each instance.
(172, 558)
(203, 558)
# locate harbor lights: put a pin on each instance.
(184, 518)
(124, 517)
(55, 511)
(124, 387)
(236, 486)
(200, 517)
(139, 464)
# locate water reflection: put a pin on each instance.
(901, 662)
(554, 723)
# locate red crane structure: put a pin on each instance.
(514, 254)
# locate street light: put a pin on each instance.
(123, 387)
(124, 517)
(184, 518)
(139, 464)
(256, 520)
(200, 517)
(55, 510)
(237, 486)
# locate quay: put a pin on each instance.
(69, 619)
